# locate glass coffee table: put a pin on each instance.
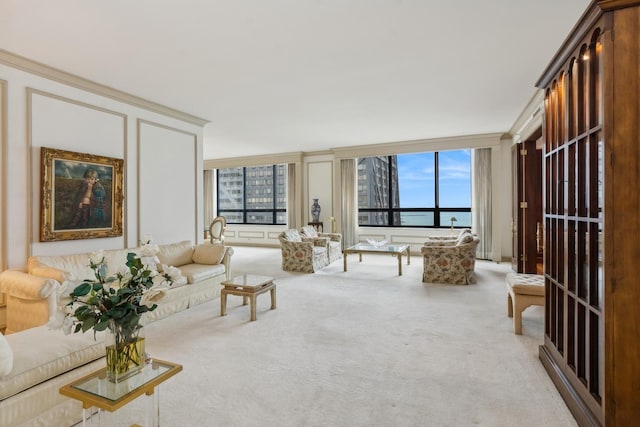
(365, 248)
(97, 391)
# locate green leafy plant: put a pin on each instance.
(115, 301)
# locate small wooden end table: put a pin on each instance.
(318, 225)
(247, 286)
(96, 390)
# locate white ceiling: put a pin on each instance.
(276, 76)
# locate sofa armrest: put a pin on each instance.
(322, 242)
(226, 260)
(334, 237)
(27, 286)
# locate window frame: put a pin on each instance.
(436, 210)
(246, 212)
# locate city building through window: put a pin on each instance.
(415, 190)
(253, 195)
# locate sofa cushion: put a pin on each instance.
(176, 254)
(209, 254)
(57, 353)
(292, 235)
(76, 267)
(6, 356)
(309, 231)
(467, 238)
(198, 272)
(37, 268)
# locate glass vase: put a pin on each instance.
(125, 350)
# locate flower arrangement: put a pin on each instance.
(117, 303)
(122, 298)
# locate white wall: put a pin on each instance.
(318, 179)
(162, 155)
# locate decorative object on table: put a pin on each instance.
(376, 243)
(334, 228)
(116, 304)
(315, 211)
(453, 219)
(81, 195)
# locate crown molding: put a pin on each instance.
(42, 70)
(266, 159)
(616, 4)
(530, 119)
(420, 145)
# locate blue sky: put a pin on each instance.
(416, 177)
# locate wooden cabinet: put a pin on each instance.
(527, 237)
(591, 164)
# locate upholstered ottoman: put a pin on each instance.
(524, 290)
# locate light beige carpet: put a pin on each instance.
(361, 348)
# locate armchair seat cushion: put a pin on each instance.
(333, 241)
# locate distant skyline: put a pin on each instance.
(416, 179)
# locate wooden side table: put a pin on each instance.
(247, 286)
(319, 226)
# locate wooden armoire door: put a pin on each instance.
(527, 205)
(591, 124)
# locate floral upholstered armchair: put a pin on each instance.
(450, 261)
(303, 254)
(334, 248)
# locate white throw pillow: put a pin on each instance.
(209, 254)
(6, 356)
(176, 254)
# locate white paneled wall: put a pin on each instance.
(161, 149)
(166, 163)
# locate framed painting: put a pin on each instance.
(81, 195)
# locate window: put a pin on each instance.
(253, 195)
(415, 190)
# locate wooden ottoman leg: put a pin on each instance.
(517, 315)
(252, 301)
(273, 298)
(509, 305)
(223, 303)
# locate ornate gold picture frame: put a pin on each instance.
(81, 196)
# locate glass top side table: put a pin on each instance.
(96, 390)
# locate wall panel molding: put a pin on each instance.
(42, 70)
(166, 196)
(3, 174)
(31, 209)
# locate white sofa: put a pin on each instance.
(36, 359)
